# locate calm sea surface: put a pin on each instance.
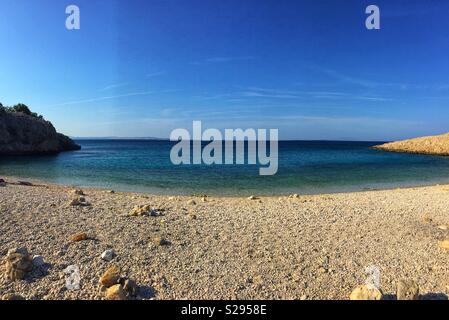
(305, 167)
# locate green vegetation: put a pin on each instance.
(20, 107)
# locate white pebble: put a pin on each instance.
(108, 255)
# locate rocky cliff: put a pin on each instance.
(22, 134)
(434, 145)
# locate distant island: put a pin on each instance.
(432, 145)
(23, 132)
(120, 138)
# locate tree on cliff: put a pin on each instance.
(20, 107)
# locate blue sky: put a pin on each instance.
(309, 68)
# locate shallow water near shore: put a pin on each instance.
(306, 167)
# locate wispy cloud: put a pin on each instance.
(221, 60)
(347, 96)
(246, 93)
(102, 98)
(257, 92)
(349, 79)
(155, 74)
(366, 83)
(114, 86)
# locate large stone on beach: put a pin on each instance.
(363, 292)
(115, 292)
(2, 183)
(79, 237)
(38, 261)
(407, 290)
(11, 297)
(108, 255)
(143, 210)
(79, 201)
(18, 264)
(129, 286)
(110, 277)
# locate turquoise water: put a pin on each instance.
(305, 167)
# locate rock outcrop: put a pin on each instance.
(22, 134)
(433, 145)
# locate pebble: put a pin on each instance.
(322, 270)
(79, 201)
(78, 237)
(11, 297)
(108, 255)
(407, 290)
(110, 277)
(115, 292)
(18, 264)
(444, 244)
(364, 292)
(193, 216)
(129, 286)
(38, 261)
(191, 202)
(145, 210)
(158, 241)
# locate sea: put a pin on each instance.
(305, 167)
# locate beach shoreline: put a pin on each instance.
(275, 247)
(237, 194)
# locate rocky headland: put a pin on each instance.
(25, 133)
(433, 145)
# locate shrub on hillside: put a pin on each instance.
(20, 107)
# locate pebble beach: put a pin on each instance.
(199, 247)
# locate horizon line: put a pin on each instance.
(280, 140)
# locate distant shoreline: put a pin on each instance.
(167, 139)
